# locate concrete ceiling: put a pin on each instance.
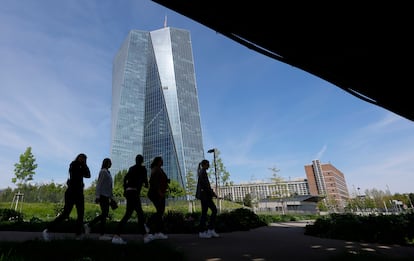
(366, 50)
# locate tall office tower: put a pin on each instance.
(155, 110)
(326, 180)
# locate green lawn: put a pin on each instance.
(48, 211)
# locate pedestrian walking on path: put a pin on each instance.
(104, 196)
(78, 169)
(206, 194)
(158, 185)
(135, 178)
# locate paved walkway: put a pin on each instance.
(279, 241)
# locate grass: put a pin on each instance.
(47, 211)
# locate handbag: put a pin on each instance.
(113, 204)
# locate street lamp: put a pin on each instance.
(214, 151)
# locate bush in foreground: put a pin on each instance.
(176, 222)
(388, 229)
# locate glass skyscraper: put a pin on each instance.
(155, 110)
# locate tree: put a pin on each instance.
(6, 195)
(25, 169)
(223, 176)
(90, 192)
(190, 191)
(118, 190)
(175, 189)
(331, 203)
(278, 180)
(191, 183)
(247, 200)
(275, 177)
(322, 206)
(381, 198)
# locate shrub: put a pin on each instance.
(10, 215)
(241, 219)
(178, 222)
(389, 229)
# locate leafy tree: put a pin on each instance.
(369, 203)
(381, 199)
(322, 206)
(90, 192)
(223, 176)
(377, 195)
(119, 183)
(191, 183)
(175, 189)
(331, 203)
(361, 204)
(190, 190)
(51, 192)
(6, 195)
(247, 200)
(25, 168)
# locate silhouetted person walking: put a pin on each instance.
(158, 185)
(78, 170)
(206, 194)
(135, 178)
(104, 196)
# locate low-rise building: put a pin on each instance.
(305, 204)
(264, 190)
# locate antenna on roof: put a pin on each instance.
(165, 21)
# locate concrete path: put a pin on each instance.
(279, 241)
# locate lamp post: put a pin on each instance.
(215, 174)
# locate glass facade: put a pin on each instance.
(155, 109)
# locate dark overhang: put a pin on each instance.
(365, 49)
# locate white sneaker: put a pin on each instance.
(87, 228)
(213, 233)
(204, 234)
(45, 235)
(160, 236)
(118, 240)
(148, 238)
(104, 237)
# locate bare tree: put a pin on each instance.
(279, 183)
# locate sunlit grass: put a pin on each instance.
(48, 211)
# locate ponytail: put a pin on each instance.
(203, 162)
(199, 165)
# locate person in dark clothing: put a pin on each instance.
(135, 178)
(78, 170)
(158, 186)
(104, 196)
(206, 194)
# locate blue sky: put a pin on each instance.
(56, 87)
